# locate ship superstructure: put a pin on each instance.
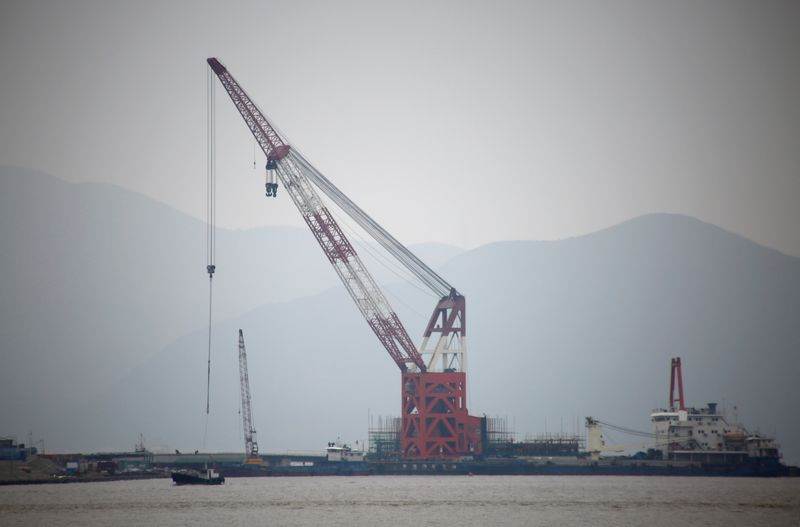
(705, 434)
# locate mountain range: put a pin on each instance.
(103, 303)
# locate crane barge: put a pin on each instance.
(435, 421)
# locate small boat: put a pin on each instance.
(209, 477)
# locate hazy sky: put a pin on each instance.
(460, 122)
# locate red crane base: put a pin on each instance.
(436, 423)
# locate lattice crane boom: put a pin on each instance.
(250, 442)
(348, 265)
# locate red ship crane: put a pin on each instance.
(676, 374)
(435, 420)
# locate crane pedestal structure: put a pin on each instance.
(435, 422)
(435, 419)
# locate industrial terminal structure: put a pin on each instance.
(435, 433)
(435, 430)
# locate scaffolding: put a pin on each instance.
(385, 438)
(541, 445)
(497, 431)
(500, 442)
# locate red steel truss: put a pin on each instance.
(436, 423)
(266, 136)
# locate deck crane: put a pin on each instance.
(676, 375)
(435, 420)
(250, 443)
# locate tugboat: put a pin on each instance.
(209, 477)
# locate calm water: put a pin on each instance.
(411, 501)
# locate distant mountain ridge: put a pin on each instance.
(562, 329)
(96, 279)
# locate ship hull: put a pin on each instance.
(579, 467)
(181, 478)
(564, 467)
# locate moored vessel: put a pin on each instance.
(193, 477)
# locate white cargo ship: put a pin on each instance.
(704, 434)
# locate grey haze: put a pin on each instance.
(492, 120)
(103, 326)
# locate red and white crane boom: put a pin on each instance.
(348, 265)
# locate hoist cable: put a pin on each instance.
(626, 430)
(211, 220)
(208, 378)
(397, 270)
(424, 273)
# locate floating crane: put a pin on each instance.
(250, 443)
(435, 420)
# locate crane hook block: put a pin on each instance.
(211, 268)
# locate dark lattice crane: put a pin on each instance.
(435, 420)
(250, 443)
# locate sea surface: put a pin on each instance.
(411, 501)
